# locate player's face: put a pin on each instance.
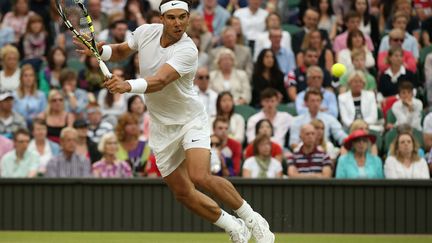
(175, 22)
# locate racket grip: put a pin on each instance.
(105, 70)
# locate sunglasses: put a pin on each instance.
(206, 77)
(397, 39)
(55, 100)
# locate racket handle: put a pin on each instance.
(105, 70)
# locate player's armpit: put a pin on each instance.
(120, 51)
(164, 76)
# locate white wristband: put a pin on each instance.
(138, 86)
(106, 52)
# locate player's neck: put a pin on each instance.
(166, 41)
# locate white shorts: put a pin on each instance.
(169, 142)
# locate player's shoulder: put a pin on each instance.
(186, 44)
(148, 29)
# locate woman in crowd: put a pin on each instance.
(227, 78)
(314, 40)
(49, 76)
(55, 116)
(137, 107)
(355, 41)
(262, 164)
(135, 12)
(360, 124)
(28, 101)
(110, 166)
(368, 22)
(264, 127)
(91, 77)
(267, 74)
(359, 163)
(112, 105)
(34, 43)
(327, 20)
(404, 161)
(132, 70)
(18, 17)
(236, 24)
(9, 76)
(323, 144)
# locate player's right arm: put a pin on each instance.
(120, 51)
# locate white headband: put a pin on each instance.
(174, 5)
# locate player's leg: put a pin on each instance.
(198, 163)
(185, 192)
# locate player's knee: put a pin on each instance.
(183, 194)
(201, 180)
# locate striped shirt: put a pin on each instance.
(309, 163)
(76, 166)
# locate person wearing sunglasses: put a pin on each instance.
(207, 95)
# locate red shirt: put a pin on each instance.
(236, 150)
(409, 61)
(208, 18)
(275, 150)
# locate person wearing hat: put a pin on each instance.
(359, 162)
(85, 146)
(10, 121)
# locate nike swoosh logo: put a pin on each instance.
(194, 140)
(173, 4)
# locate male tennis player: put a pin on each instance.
(180, 136)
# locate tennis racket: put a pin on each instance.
(80, 23)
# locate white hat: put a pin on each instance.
(5, 94)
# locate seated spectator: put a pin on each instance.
(68, 163)
(360, 124)
(85, 146)
(264, 127)
(91, 77)
(18, 17)
(28, 101)
(327, 20)
(49, 76)
(368, 21)
(315, 78)
(359, 163)
(408, 109)
(280, 120)
(231, 150)
(110, 166)
(404, 161)
(211, 18)
(203, 57)
(97, 126)
(262, 164)
(357, 103)
(225, 108)
(134, 11)
(7, 145)
(427, 131)
(309, 161)
(41, 145)
(75, 99)
(428, 76)
(7, 35)
(137, 107)
(55, 116)
(197, 28)
(314, 40)
(10, 121)
(313, 98)
(355, 42)
(218, 165)
(20, 162)
(228, 78)
(235, 23)
(207, 95)
(285, 57)
(295, 81)
(34, 42)
(389, 81)
(112, 105)
(267, 74)
(132, 69)
(396, 38)
(131, 149)
(9, 76)
(358, 59)
(323, 144)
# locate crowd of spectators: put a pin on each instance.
(264, 77)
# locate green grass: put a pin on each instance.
(100, 237)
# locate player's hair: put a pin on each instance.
(165, 1)
(104, 139)
(260, 122)
(219, 119)
(353, 34)
(405, 85)
(268, 93)
(259, 139)
(20, 131)
(66, 75)
(313, 91)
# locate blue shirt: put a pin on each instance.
(82, 101)
(29, 106)
(409, 44)
(347, 167)
(329, 102)
(12, 168)
(285, 60)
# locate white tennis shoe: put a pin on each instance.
(242, 234)
(260, 229)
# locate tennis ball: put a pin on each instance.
(338, 69)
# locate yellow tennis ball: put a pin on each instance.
(338, 69)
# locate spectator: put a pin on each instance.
(262, 164)
(7, 35)
(112, 105)
(110, 166)
(232, 6)
(280, 120)
(111, 7)
(327, 20)
(97, 127)
(427, 132)
(7, 145)
(358, 59)
(357, 103)
(207, 95)
(75, 99)
(20, 162)
(41, 145)
(215, 16)
(132, 69)
(405, 7)
(85, 146)
(404, 161)
(197, 28)
(49, 77)
(55, 116)
(28, 101)
(359, 162)
(315, 79)
(408, 109)
(203, 57)
(135, 10)
(355, 42)
(9, 76)
(228, 78)
(264, 127)
(323, 144)
(267, 74)
(117, 33)
(284, 56)
(217, 161)
(230, 148)
(137, 107)
(352, 22)
(389, 81)
(313, 99)
(99, 18)
(314, 40)
(235, 23)
(68, 163)
(18, 17)
(242, 53)
(131, 149)
(362, 125)
(34, 42)
(396, 38)
(91, 77)
(368, 22)
(309, 161)
(10, 121)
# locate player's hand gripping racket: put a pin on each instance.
(80, 23)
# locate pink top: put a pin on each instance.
(340, 42)
(6, 146)
(120, 169)
(409, 61)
